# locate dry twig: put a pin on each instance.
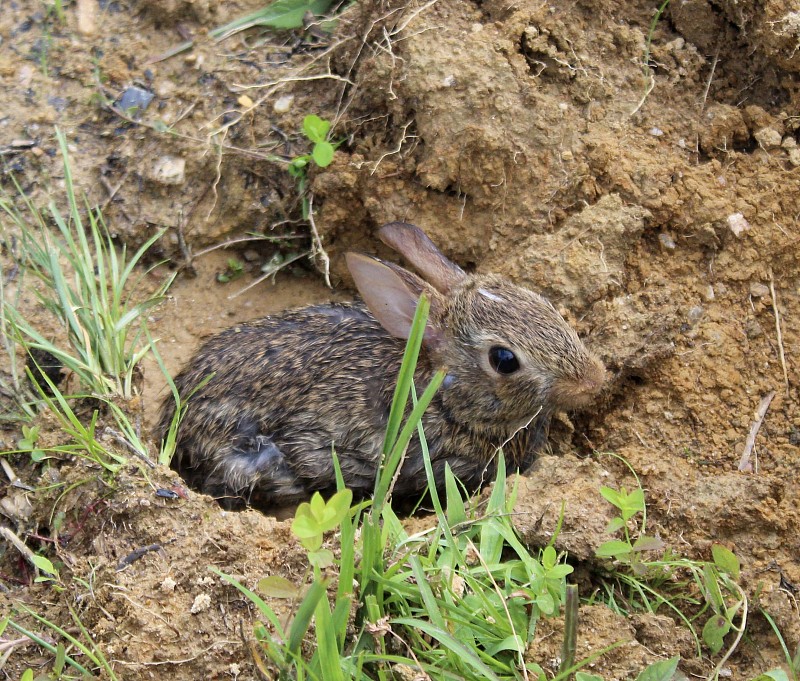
(20, 545)
(781, 353)
(744, 462)
(317, 251)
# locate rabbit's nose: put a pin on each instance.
(575, 392)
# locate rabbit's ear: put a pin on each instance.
(414, 245)
(391, 294)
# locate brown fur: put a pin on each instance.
(287, 389)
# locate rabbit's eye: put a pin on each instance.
(503, 361)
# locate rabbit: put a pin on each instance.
(288, 390)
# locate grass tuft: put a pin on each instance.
(87, 284)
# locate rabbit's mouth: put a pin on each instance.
(577, 392)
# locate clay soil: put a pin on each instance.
(648, 184)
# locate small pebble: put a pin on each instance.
(695, 314)
(165, 88)
(789, 142)
(283, 104)
(134, 100)
(87, 17)
(738, 224)
(201, 602)
(794, 156)
(769, 138)
(449, 81)
(667, 241)
(753, 329)
(708, 294)
(656, 132)
(168, 585)
(758, 290)
(168, 170)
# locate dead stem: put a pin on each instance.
(317, 250)
(744, 462)
(781, 352)
(18, 544)
(709, 81)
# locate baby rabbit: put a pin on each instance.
(287, 390)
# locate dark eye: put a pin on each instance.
(503, 361)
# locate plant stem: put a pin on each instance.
(570, 628)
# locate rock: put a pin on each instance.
(168, 170)
(768, 138)
(759, 290)
(283, 104)
(666, 241)
(575, 482)
(738, 225)
(201, 602)
(87, 17)
(585, 259)
(133, 101)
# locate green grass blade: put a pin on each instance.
(302, 618)
(61, 632)
(281, 14)
(428, 599)
(406, 375)
(259, 602)
(327, 653)
(447, 640)
(393, 460)
(38, 640)
(98, 653)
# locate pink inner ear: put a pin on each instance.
(388, 295)
(411, 242)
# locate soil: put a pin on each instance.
(646, 183)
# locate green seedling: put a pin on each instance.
(626, 550)
(44, 565)
(312, 519)
(27, 443)
(655, 582)
(316, 130)
(234, 270)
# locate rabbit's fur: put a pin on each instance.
(288, 389)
